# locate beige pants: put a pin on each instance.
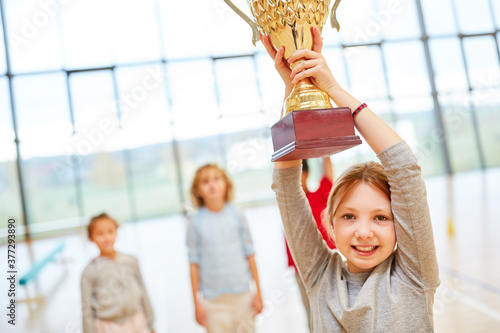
(135, 324)
(231, 313)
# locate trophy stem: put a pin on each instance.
(306, 96)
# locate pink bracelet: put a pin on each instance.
(358, 110)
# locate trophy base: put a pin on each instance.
(313, 133)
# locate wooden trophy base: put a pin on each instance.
(313, 133)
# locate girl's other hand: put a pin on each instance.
(313, 65)
(201, 315)
(257, 304)
(280, 62)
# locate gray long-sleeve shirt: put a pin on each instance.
(113, 289)
(398, 294)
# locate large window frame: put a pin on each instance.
(252, 138)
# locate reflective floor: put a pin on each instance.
(465, 212)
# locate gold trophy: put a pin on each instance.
(310, 127)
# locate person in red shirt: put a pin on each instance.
(317, 201)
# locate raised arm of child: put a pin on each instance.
(305, 241)
(373, 129)
(416, 250)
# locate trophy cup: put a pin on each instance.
(310, 127)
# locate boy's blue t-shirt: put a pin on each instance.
(220, 242)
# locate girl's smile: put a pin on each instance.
(365, 250)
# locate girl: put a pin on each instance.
(114, 298)
(221, 257)
(377, 288)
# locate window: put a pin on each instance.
(448, 65)
(228, 34)
(193, 97)
(145, 92)
(44, 127)
(90, 46)
(482, 62)
(248, 154)
(474, 16)
(439, 17)
(271, 87)
(10, 200)
(143, 105)
(496, 12)
(417, 125)
(6, 130)
(458, 123)
(42, 110)
(34, 43)
(135, 31)
(362, 60)
(486, 105)
(147, 133)
(406, 69)
(213, 29)
(237, 86)
(3, 56)
(99, 145)
(359, 26)
(398, 19)
(154, 180)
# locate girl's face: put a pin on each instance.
(104, 235)
(212, 186)
(363, 228)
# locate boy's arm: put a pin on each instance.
(195, 287)
(257, 299)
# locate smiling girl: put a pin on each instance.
(378, 216)
(114, 297)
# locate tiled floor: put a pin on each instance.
(465, 212)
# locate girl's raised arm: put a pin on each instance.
(416, 250)
(374, 130)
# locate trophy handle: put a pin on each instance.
(333, 16)
(255, 30)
